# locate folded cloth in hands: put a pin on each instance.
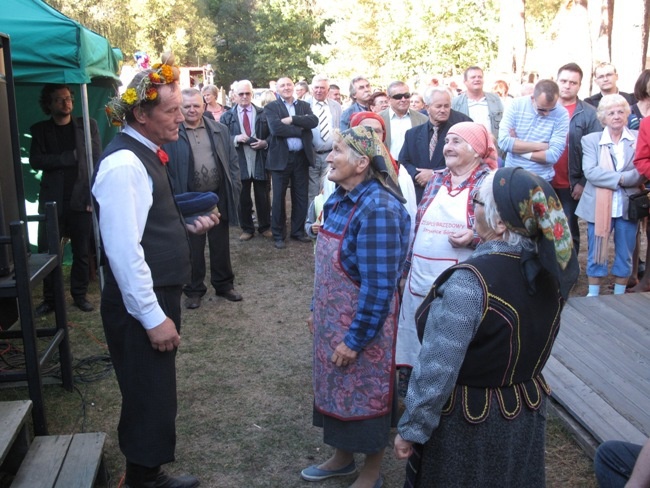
(193, 204)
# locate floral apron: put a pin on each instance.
(363, 389)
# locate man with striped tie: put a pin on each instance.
(329, 118)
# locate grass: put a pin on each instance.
(244, 384)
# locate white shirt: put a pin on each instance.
(479, 112)
(124, 191)
(619, 162)
(398, 127)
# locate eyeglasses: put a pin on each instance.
(476, 201)
(63, 100)
(244, 94)
(605, 75)
(400, 96)
(543, 110)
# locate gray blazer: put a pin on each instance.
(495, 109)
(597, 177)
(335, 110)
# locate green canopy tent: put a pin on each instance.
(48, 47)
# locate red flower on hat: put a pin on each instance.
(558, 231)
(539, 208)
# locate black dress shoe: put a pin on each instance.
(279, 244)
(184, 481)
(302, 238)
(163, 480)
(83, 304)
(230, 295)
(44, 308)
(193, 302)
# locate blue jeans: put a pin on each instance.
(614, 462)
(624, 243)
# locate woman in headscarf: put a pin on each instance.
(359, 256)
(608, 165)
(443, 228)
(376, 122)
(476, 404)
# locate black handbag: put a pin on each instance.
(639, 207)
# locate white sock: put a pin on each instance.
(619, 289)
(594, 291)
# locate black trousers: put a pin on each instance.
(221, 273)
(261, 191)
(78, 226)
(147, 378)
(296, 172)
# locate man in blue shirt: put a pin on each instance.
(533, 130)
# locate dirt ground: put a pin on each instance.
(244, 383)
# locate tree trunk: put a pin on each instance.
(626, 40)
(512, 41)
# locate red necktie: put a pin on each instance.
(247, 123)
(162, 155)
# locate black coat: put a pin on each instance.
(45, 155)
(231, 120)
(302, 124)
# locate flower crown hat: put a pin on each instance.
(142, 91)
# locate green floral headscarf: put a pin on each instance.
(529, 206)
(365, 141)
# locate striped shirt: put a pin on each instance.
(530, 126)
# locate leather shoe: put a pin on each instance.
(230, 295)
(163, 480)
(267, 233)
(245, 236)
(43, 309)
(184, 481)
(84, 305)
(279, 244)
(193, 302)
(301, 238)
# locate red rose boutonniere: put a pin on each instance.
(162, 155)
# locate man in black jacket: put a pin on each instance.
(290, 154)
(203, 159)
(249, 132)
(59, 150)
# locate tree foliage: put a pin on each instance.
(152, 26)
(263, 40)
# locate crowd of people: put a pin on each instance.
(446, 238)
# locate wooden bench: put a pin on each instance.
(14, 435)
(55, 461)
(63, 461)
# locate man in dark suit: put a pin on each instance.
(203, 159)
(290, 155)
(249, 132)
(59, 150)
(421, 153)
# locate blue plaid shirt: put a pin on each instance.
(372, 252)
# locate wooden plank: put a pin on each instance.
(611, 379)
(587, 407)
(43, 462)
(615, 316)
(604, 354)
(13, 416)
(83, 461)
